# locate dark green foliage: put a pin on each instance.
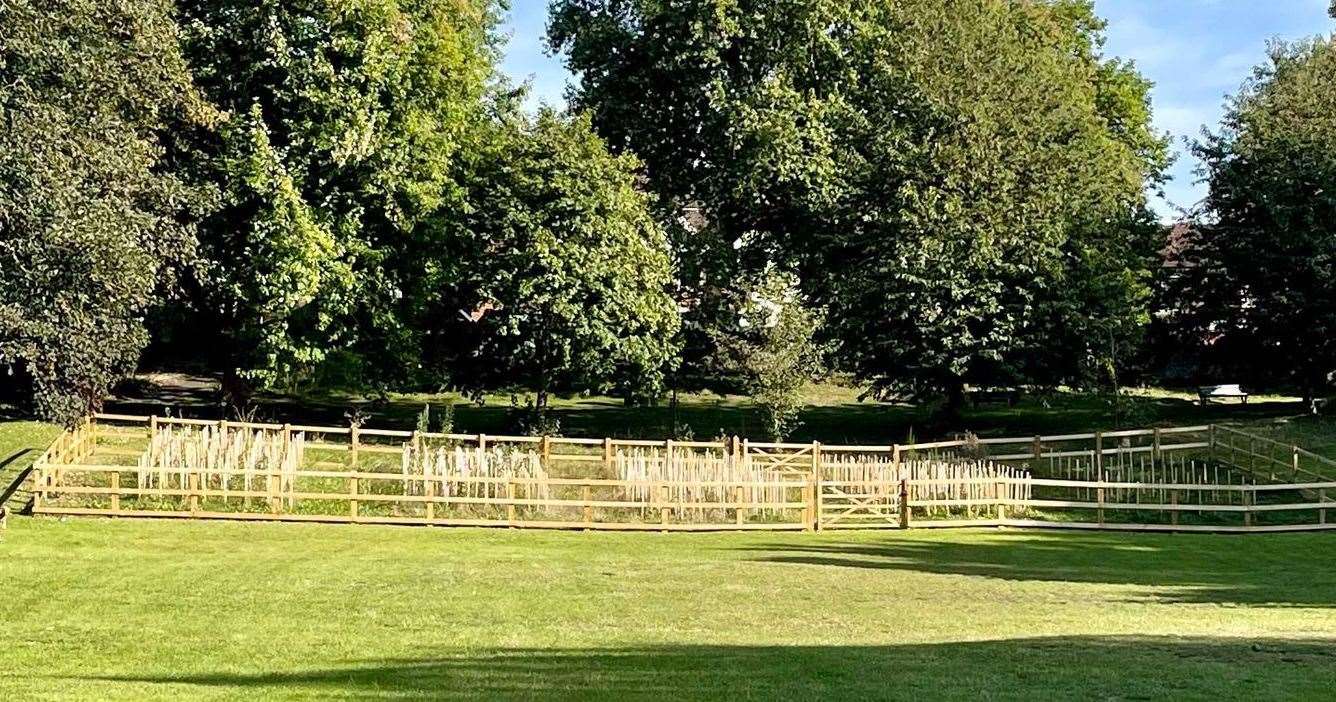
(345, 123)
(557, 277)
(961, 183)
(91, 211)
(1260, 284)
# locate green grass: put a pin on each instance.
(21, 442)
(833, 413)
(127, 609)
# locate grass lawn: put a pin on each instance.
(833, 413)
(21, 441)
(156, 609)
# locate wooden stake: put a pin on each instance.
(905, 500)
(588, 508)
(663, 504)
(816, 486)
(510, 507)
(352, 446)
(352, 497)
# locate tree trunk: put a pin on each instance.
(953, 412)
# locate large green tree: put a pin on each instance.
(92, 217)
(1259, 280)
(961, 183)
(345, 123)
(557, 277)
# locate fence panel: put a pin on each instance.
(1213, 477)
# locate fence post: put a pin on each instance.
(510, 504)
(1294, 464)
(352, 446)
(663, 505)
(904, 486)
(116, 493)
(1002, 486)
(816, 486)
(194, 491)
(737, 499)
(352, 497)
(588, 508)
(607, 454)
(1155, 451)
(904, 503)
(429, 496)
(1099, 477)
(38, 484)
(547, 451)
(1248, 496)
(1173, 502)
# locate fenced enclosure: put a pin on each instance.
(1213, 477)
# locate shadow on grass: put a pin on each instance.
(708, 417)
(1272, 570)
(1088, 667)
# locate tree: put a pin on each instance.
(557, 277)
(962, 183)
(774, 348)
(1259, 283)
(345, 125)
(93, 216)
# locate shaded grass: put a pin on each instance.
(156, 609)
(833, 414)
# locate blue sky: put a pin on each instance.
(1196, 52)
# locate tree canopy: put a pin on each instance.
(1260, 274)
(344, 124)
(558, 276)
(92, 209)
(962, 183)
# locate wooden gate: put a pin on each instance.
(852, 504)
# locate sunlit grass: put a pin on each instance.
(142, 609)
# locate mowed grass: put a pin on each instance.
(833, 413)
(139, 609)
(21, 442)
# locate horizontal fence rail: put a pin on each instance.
(1197, 478)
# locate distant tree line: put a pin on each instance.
(926, 194)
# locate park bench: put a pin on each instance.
(1207, 393)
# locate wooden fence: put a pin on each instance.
(1212, 478)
